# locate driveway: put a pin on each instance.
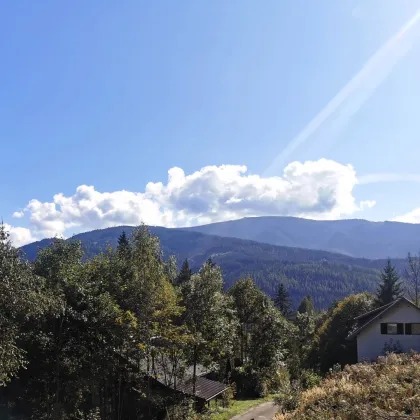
(265, 411)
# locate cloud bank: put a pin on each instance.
(320, 189)
(410, 217)
(19, 235)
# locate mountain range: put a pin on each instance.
(355, 237)
(255, 247)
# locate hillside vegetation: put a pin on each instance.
(387, 389)
(324, 275)
(117, 335)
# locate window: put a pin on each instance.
(392, 328)
(412, 329)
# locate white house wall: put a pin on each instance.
(370, 342)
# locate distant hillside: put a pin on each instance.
(327, 276)
(357, 238)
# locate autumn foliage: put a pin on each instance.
(389, 388)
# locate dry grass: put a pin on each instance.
(388, 389)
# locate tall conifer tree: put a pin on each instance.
(282, 301)
(390, 288)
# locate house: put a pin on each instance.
(392, 327)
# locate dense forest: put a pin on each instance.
(326, 276)
(127, 334)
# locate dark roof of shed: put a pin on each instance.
(205, 389)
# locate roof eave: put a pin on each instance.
(385, 308)
(215, 395)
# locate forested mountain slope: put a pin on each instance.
(357, 238)
(326, 276)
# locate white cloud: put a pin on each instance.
(18, 214)
(367, 204)
(320, 189)
(410, 217)
(19, 235)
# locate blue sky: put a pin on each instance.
(114, 94)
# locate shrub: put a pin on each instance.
(246, 382)
(261, 388)
(308, 379)
(250, 383)
(184, 410)
(279, 381)
(389, 388)
(229, 395)
(288, 399)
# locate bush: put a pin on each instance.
(184, 410)
(229, 395)
(279, 381)
(389, 388)
(308, 379)
(246, 382)
(250, 383)
(288, 399)
(261, 388)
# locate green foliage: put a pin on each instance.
(184, 275)
(264, 338)
(331, 345)
(101, 316)
(229, 396)
(249, 382)
(208, 316)
(184, 410)
(324, 275)
(282, 301)
(390, 287)
(412, 278)
(97, 335)
(289, 395)
(21, 299)
(308, 379)
(306, 306)
(123, 247)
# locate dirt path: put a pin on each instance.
(265, 411)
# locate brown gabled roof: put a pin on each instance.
(371, 316)
(205, 389)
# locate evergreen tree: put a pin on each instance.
(184, 274)
(282, 301)
(123, 247)
(306, 306)
(390, 288)
(210, 262)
